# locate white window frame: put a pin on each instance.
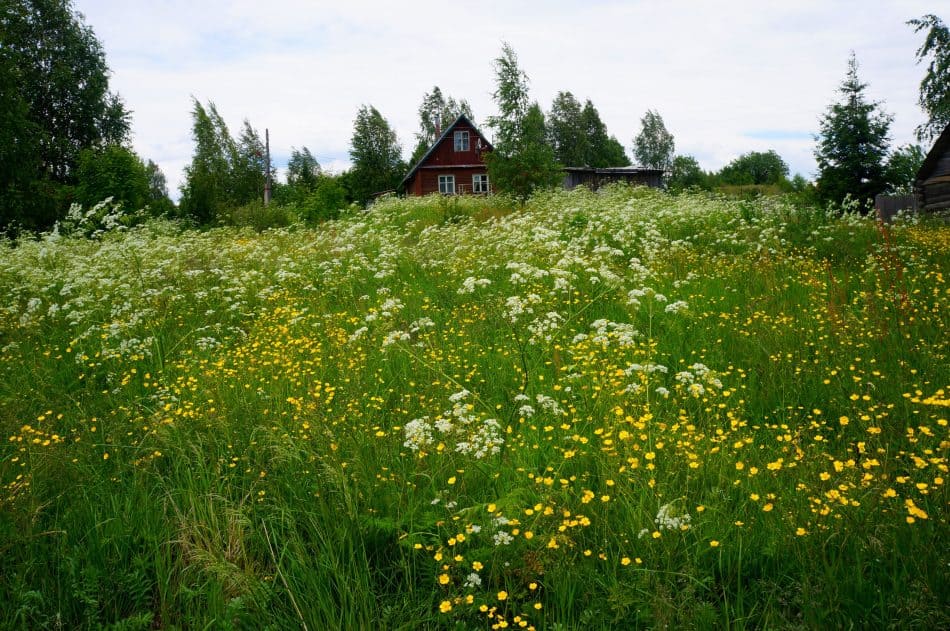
(447, 184)
(461, 140)
(480, 183)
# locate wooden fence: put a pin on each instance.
(887, 206)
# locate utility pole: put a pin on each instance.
(267, 167)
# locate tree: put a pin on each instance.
(567, 134)
(852, 144)
(248, 167)
(224, 172)
(755, 167)
(56, 93)
(935, 86)
(436, 108)
(376, 155)
(522, 160)
(160, 202)
(902, 167)
(205, 191)
(113, 171)
(303, 170)
(685, 173)
(653, 146)
(602, 150)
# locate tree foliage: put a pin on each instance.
(579, 137)
(55, 102)
(603, 150)
(653, 147)
(205, 190)
(303, 170)
(685, 173)
(935, 86)
(522, 160)
(902, 167)
(436, 108)
(755, 167)
(852, 144)
(566, 131)
(376, 155)
(160, 202)
(113, 171)
(224, 172)
(248, 166)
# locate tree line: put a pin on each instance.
(64, 138)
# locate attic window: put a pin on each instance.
(461, 141)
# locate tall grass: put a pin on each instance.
(612, 410)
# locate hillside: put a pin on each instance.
(612, 410)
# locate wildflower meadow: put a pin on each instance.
(613, 410)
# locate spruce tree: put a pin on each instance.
(852, 144)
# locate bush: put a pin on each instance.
(258, 216)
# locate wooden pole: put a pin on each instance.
(267, 174)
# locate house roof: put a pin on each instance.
(609, 170)
(461, 118)
(940, 147)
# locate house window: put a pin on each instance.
(480, 183)
(461, 141)
(447, 184)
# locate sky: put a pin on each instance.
(727, 77)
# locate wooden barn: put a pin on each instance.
(933, 178)
(453, 165)
(595, 178)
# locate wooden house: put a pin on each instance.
(453, 165)
(595, 178)
(933, 179)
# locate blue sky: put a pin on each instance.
(727, 77)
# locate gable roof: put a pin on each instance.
(461, 118)
(940, 147)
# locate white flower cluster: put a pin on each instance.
(548, 404)
(667, 519)
(697, 379)
(676, 307)
(470, 284)
(542, 328)
(472, 437)
(634, 296)
(605, 332)
(395, 336)
(516, 306)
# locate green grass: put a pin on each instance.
(230, 429)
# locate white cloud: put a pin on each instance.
(716, 73)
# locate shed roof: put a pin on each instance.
(438, 141)
(612, 170)
(940, 147)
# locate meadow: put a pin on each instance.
(623, 409)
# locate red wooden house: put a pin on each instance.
(453, 165)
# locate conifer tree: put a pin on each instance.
(852, 144)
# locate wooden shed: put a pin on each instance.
(933, 179)
(595, 178)
(453, 165)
